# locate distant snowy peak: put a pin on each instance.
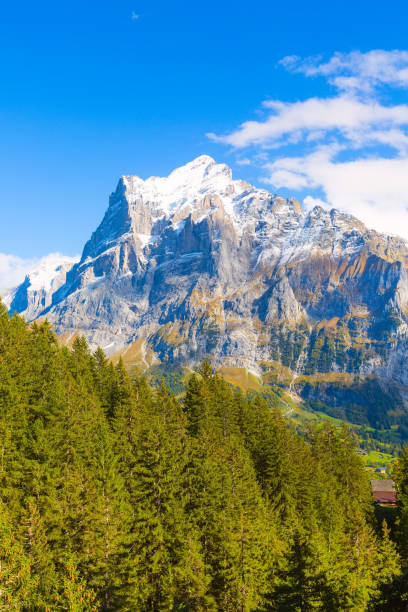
(35, 293)
(49, 268)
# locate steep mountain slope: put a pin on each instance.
(198, 264)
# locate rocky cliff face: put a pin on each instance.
(198, 264)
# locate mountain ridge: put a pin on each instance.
(198, 265)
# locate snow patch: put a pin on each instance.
(41, 278)
(187, 186)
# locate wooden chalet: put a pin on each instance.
(384, 493)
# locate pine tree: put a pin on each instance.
(158, 577)
(74, 594)
(106, 515)
(40, 558)
(17, 587)
(400, 475)
(388, 576)
(236, 532)
(195, 405)
(191, 576)
(303, 583)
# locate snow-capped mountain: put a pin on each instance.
(35, 292)
(198, 264)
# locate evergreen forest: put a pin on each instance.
(115, 495)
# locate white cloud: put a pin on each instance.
(14, 269)
(356, 71)
(374, 190)
(343, 113)
(350, 148)
(287, 177)
(134, 16)
(309, 202)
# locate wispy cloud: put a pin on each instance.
(315, 117)
(348, 150)
(373, 189)
(355, 71)
(134, 16)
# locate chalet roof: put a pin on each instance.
(383, 485)
(384, 496)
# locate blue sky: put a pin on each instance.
(90, 91)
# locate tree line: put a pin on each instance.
(118, 496)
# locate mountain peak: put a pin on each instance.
(202, 160)
(196, 179)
